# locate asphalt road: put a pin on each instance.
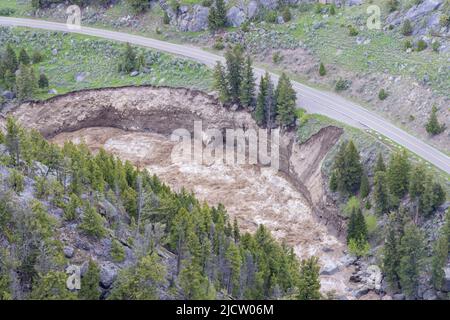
(313, 100)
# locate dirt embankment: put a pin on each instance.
(162, 110)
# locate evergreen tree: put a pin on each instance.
(348, 168)
(128, 60)
(52, 286)
(380, 166)
(411, 261)
(433, 126)
(93, 222)
(380, 193)
(260, 111)
(309, 282)
(221, 14)
(398, 174)
(391, 255)
(26, 82)
(333, 181)
(322, 70)
(220, 83)
(236, 231)
(70, 210)
(89, 287)
(247, 96)
(195, 286)
(439, 261)
(234, 63)
(364, 188)
(24, 58)
(233, 258)
(10, 61)
(138, 6)
(357, 228)
(285, 98)
(43, 81)
(269, 102)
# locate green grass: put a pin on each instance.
(98, 59)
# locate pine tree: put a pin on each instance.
(24, 58)
(221, 14)
(439, 261)
(380, 166)
(89, 287)
(260, 111)
(285, 98)
(26, 83)
(391, 258)
(433, 126)
(247, 96)
(195, 286)
(234, 63)
(309, 282)
(322, 70)
(10, 61)
(52, 286)
(333, 181)
(269, 102)
(357, 228)
(233, 258)
(128, 60)
(93, 222)
(43, 81)
(70, 210)
(380, 193)
(348, 168)
(364, 188)
(236, 231)
(398, 174)
(220, 83)
(411, 261)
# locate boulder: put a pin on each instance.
(9, 95)
(329, 268)
(429, 295)
(269, 4)
(358, 293)
(398, 296)
(134, 73)
(374, 277)
(235, 16)
(280, 20)
(52, 91)
(422, 9)
(252, 9)
(69, 252)
(108, 274)
(195, 19)
(447, 279)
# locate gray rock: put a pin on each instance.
(252, 9)
(398, 296)
(447, 279)
(69, 252)
(422, 9)
(280, 20)
(54, 51)
(329, 268)
(358, 293)
(9, 95)
(52, 91)
(194, 20)
(269, 4)
(348, 260)
(429, 295)
(79, 77)
(108, 274)
(134, 73)
(235, 16)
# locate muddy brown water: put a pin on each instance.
(253, 194)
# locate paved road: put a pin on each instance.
(313, 100)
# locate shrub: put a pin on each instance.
(322, 70)
(117, 251)
(286, 14)
(407, 44)
(42, 188)
(382, 95)
(92, 223)
(342, 85)
(359, 248)
(43, 81)
(16, 181)
(218, 44)
(371, 223)
(37, 56)
(421, 45)
(270, 16)
(435, 46)
(406, 28)
(352, 31)
(6, 12)
(166, 18)
(207, 3)
(318, 8)
(333, 9)
(277, 57)
(392, 5)
(444, 20)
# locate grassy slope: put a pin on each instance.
(98, 59)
